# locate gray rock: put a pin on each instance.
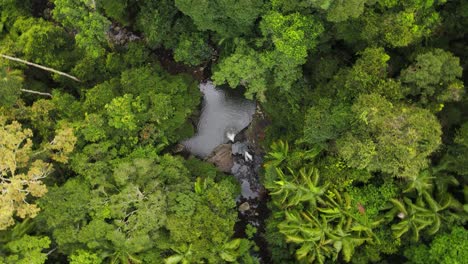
(239, 148)
(244, 207)
(221, 157)
(178, 148)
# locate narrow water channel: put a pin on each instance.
(223, 112)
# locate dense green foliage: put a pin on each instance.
(367, 143)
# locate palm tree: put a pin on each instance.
(182, 255)
(316, 218)
(413, 218)
(345, 241)
(278, 153)
(324, 238)
(281, 155)
(421, 182)
(327, 229)
(229, 250)
(292, 189)
(307, 231)
(425, 212)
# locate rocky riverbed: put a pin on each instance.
(224, 112)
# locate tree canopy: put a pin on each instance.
(359, 137)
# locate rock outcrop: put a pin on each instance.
(221, 157)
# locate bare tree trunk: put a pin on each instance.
(36, 92)
(40, 67)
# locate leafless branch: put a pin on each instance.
(40, 67)
(51, 251)
(36, 92)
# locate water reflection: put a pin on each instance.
(221, 112)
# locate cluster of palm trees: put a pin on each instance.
(322, 222)
(424, 206)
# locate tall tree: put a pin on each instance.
(395, 139)
(82, 15)
(434, 77)
(287, 41)
(21, 173)
(228, 18)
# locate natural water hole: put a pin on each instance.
(225, 112)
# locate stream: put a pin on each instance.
(226, 111)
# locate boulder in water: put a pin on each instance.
(244, 207)
(221, 157)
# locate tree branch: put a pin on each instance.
(51, 251)
(35, 92)
(40, 67)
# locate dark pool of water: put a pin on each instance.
(221, 111)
